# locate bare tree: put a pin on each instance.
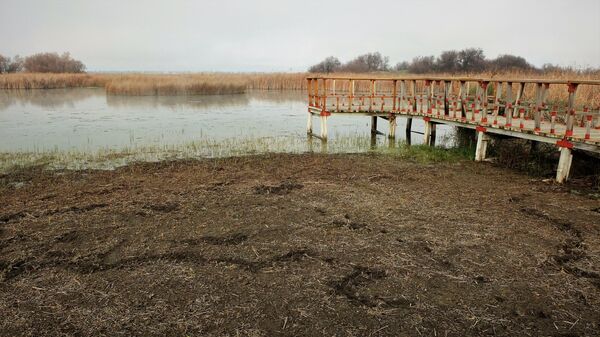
(3, 63)
(401, 66)
(448, 61)
(53, 63)
(328, 65)
(422, 64)
(471, 59)
(510, 62)
(369, 62)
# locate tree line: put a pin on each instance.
(450, 61)
(41, 63)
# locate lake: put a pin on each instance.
(86, 128)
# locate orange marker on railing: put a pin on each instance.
(569, 131)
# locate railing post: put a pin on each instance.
(497, 102)
(520, 91)
(553, 120)
(394, 95)
(317, 97)
(324, 101)
(403, 102)
(508, 107)
(483, 112)
(372, 95)
(447, 93)
(308, 87)
(351, 96)
(462, 113)
(537, 117)
(427, 97)
(414, 92)
(572, 87)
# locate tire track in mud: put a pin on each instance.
(98, 262)
(351, 284)
(572, 250)
(16, 216)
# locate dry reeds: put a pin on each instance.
(51, 81)
(159, 84)
(228, 83)
(168, 85)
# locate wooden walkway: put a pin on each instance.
(509, 107)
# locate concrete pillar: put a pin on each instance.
(309, 123)
(428, 133)
(481, 148)
(374, 125)
(408, 130)
(392, 121)
(323, 127)
(564, 165)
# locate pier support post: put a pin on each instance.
(408, 130)
(564, 162)
(429, 134)
(482, 143)
(309, 123)
(374, 125)
(323, 127)
(392, 133)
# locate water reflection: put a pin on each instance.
(58, 98)
(54, 98)
(86, 122)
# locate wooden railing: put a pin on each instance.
(488, 102)
(514, 107)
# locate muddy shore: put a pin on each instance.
(297, 245)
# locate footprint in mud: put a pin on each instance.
(349, 286)
(67, 236)
(230, 240)
(281, 189)
(6, 218)
(348, 224)
(162, 207)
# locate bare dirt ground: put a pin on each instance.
(298, 245)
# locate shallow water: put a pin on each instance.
(86, 124)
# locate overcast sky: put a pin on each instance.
(279, 35)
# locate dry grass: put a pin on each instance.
(161, 85)
(51, 81)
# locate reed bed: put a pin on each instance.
(51, 81)
(227, 83)
(172, 85)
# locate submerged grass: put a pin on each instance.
(231, 147)
(427, 154)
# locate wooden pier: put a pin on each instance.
(507, 107)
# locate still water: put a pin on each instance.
(86, 124)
